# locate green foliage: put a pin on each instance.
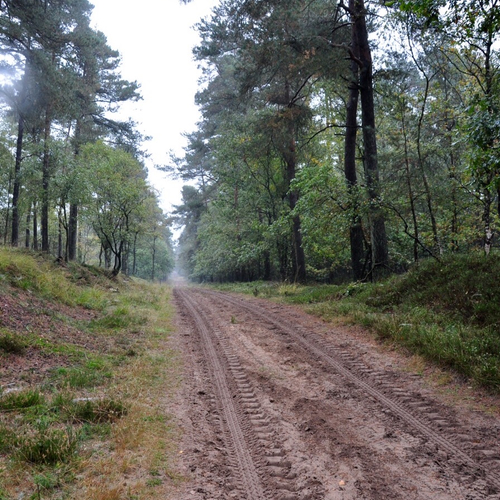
(46, 482)
(99, 411)
(119, 192)
(5, 440)
(437, 134)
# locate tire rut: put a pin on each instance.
(258, 464)
(454, 442)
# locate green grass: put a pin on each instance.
(448, 311)
(79, 378)
(21, 270)
(78, 426)
(19, 400)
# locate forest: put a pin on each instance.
(73, 182)
(341, 140)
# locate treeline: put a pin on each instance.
(341, 139)
(72, 178)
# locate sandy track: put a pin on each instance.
(278, 405)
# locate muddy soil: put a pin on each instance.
(279, 405)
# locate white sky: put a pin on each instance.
(155, 39)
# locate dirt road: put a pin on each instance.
(279, 405)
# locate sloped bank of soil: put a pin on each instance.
(33, 320)
(278, 404)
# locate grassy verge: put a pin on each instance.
(448, 312)
(85, 385)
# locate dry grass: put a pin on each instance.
(138, 460)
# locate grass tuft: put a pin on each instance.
(11, 344)
(47, 446)
(95, 411)
(21, 400)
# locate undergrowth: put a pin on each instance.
(100, 412)
(448, 311)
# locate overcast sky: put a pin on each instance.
(155, 39)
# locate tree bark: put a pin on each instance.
(17, 182)
(153, 259)
(7, 213)
(488, 233)
(299, 259)
(35, 227)
(28, 231)
(45, 184)
(290, 156)
(380, 253)
(355, 229)
(72, 231)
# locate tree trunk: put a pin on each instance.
(7, 215)
(290, 156)
(153, 259)
(411, 197)
(125, 258)
(17, 182)
(72, 231)
(60, 237)
(45, 184)
(428, 196)
(298, 256)
(118, 260)
(35, 227)
(488, 233)
(355, 229)
(380, 253)
(28, 224)
(134, 255)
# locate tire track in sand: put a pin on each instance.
(250, 483)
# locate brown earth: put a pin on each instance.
(277, 404)
(25, 314)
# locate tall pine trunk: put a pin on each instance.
(7, 213)
(290, 156)
(17, 182)
(35, 227)
(428, 195)
(28, 230)
(45, 184)
(355, 229)
(411, 196)
(380, 253)
(73, 207)
(298, 256)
